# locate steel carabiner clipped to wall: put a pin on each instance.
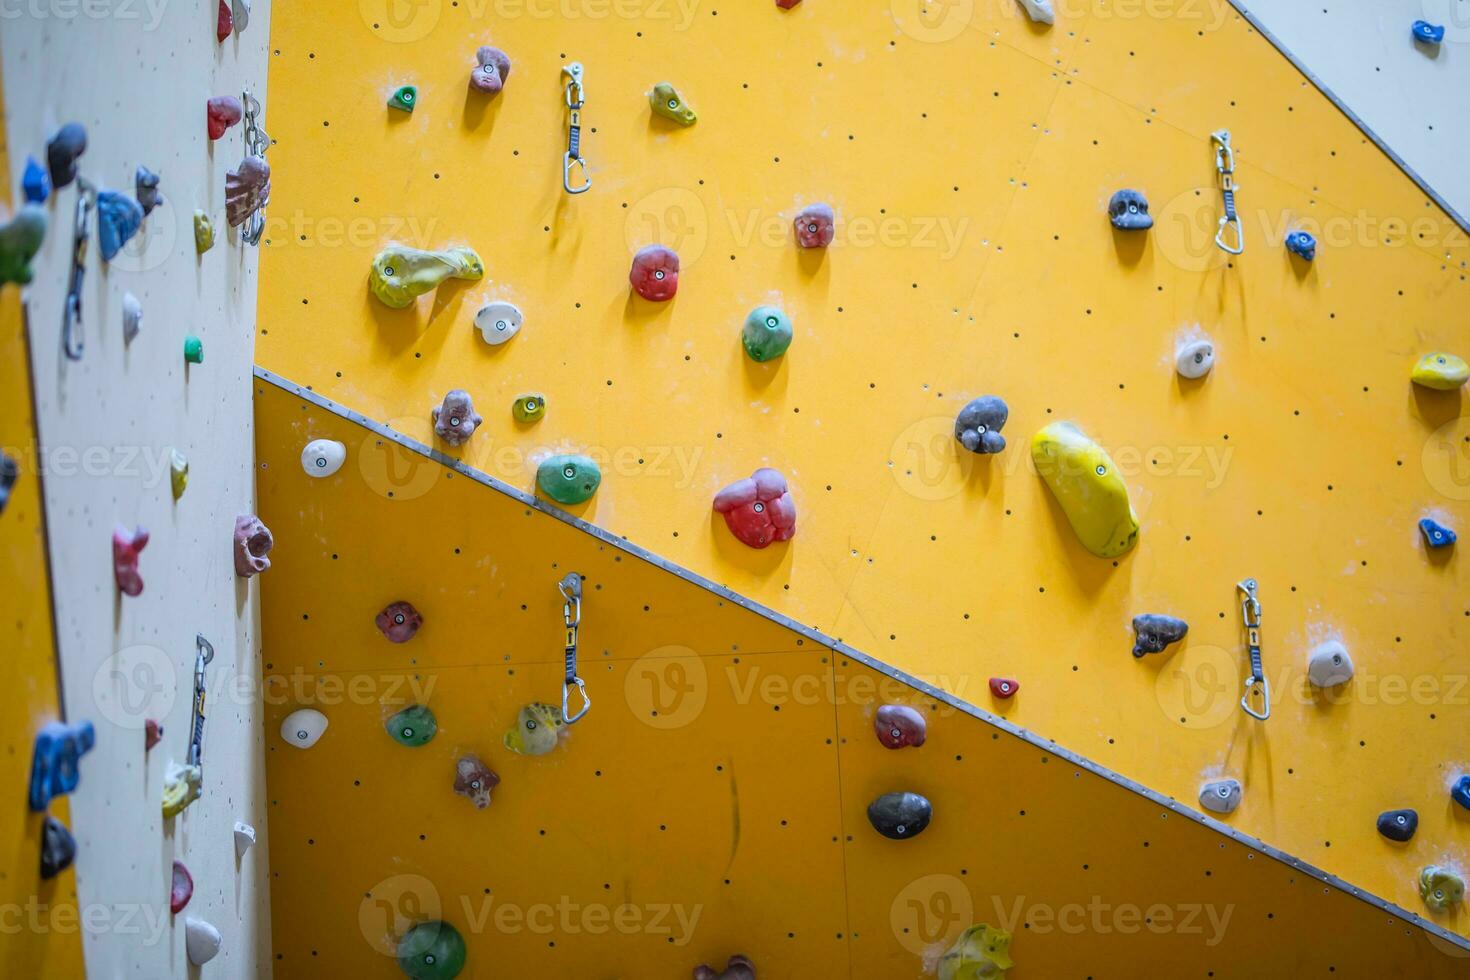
(571, 611)
(1225, 165)
(203, 656)
(251, 188)
(572, 161)
(72, 343)
(1255, 684)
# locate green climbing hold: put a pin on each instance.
(400, 274)
(193, 350)
(1085, 481)
(403, 98)
(568, 479)
(529, 408)
(432, 950)
(1441, 888)
(20, 240)
(1441, 371)
(413, 726)
(766, 334)
(665, 101)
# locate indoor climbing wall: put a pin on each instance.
(969, 155)
(714, 800)
(110, 415)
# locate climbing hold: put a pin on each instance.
(132, 317)
(432, 950)
(145, 186)
(202, 941)
(1220, 795)
(413, 726)
(1153, 632)
(1085, 481)
(20, 240)
(978, 425)
(193, 349)
(126, 546)
(399, 621)
(1302, 243)
(400, 274)
(815, 226)
(982, 952)
(655, 273)
(737, 967)
(56, 758)
(666, 102)
(529, 408)
(1128, 210)
(1329, 665)
(474, 780)
(222, 112)
(1440, 887)
(498, 322)
(58, 848)
(758, 509)
(1427, 32)
(568, 479)
(69, 143)
(1398, 825)
(247, 189)
(244, 838)
(323, 457)
(35, 182)
(303, 727)
(403, 98)
(538, 730)
(899, 816)
(1443, 372)
(492, 68)
(253, 542)
(1194, 357)
(766, 334)
(787, 4)
(224, 22)
(152, 733)
(898, 725)
(9, 474)
(1460, 792)
(118, 218)
(241, 10)
(456, 419)
(178, 473)
(1003, 687)
(1436, 535)
(1040, 11)
(181, 786)
(203, 232)
(181, 888)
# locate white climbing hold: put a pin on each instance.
(201, 940)
(1329, 665)
(1194, 356)
(1040, 11)
(323, 457)
(241, 11)
(303, 727)
(1220, 795)
(244, 838)
(498, 322)
(132, 312)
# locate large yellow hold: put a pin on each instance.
(982, 952)
(1087, 484)
(401, 274)
(1443, 372)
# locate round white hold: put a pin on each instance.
(303, 727)
(1220, 795)
(1329, 665)
(323, 457)
(201, 941)
(1194, 359)
(498, 322)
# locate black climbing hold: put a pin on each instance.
(9, 473)
(58, 848)
(978, 425)
(899, 816)
(1128, 211)
(1398, 825)
(1155, 632)
(69, 143)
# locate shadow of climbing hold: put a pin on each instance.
(978, 425)
(1220, 795)
(55, 760)
(455, 419)
(253, 542)
(401, 274)
(537, 731)
(758, 509)
(1329, 665)
(181, 888)
(35, 182)
(1128, 211)
(20, 240)
(568, 479)
(323, 457)
(220, 113)
(118, 219)
(303, 727)
(1194, 357)
(1440, 888)
(203, 233)
(202, 941)
(654, 274)
(1040, 11)
(1398, 825)
(1003, 687)
(898, 726)
(69, 143)
(58, 848)
(403, 98)
(126, 547)
(1440, 371)
(815, 226)
(1427, 32)
(474, 780)
(1154, 632)
(132, 317)
(247, 189)
(1085, 481)
(982, 952)
(244, 838)
(899, 816)
(666, 101)
(193, 350)
(528, 408)
(1302, 244)
(145, 189)
(181, 786)
(1460, 792)
(766, 334)
(152, 733)
(737, 967)
(415, 725)
(491, 70)
(1436, 535)
(399, 621)
(498, 322)
(432, 950)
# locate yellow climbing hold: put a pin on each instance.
(1441, 371)
(401, 274)
(1086, 482)
(982, 952)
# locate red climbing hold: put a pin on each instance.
(655, 273)
(787, 4)
(125, 548)
(898, 725)
(182, 888)
(1003, 687)
(815, 226)
(759, 509)
(399, 621)
(152, 734)
(222, 112)
(226, 22)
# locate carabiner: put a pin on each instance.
(571, 614)
(257, 141)
(203, 655)
(571, 160)
(1225, 166)
(1255, 683)
(72, 342)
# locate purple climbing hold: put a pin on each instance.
(247, 189)
(118, 218)
(69, 143)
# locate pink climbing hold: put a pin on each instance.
(815, 226)
(225, 23)
(737, 967)
(399, 621)
(253, 541)
(787, 4)
(126, 547)
(152, 734)
(759, 509)
(182, 888)
(898, 725)
(474, 780)
(1003, 687)
(491, 70)
(222, 112)
(655, 273)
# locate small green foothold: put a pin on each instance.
(432, 950)
(529, 408)
(203, 232)
(413, 726)
(568, 479)
(20, 240)
(404, 98)
(193, 350)
(767, 333)
(178, 472)
(1441, 888)
(665, 101)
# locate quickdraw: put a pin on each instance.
(1256, 683)
(204, 654)
(72, 343)
(257, 141)
(572, 160)
(571, 611)
(1225, 164)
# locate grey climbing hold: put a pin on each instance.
(1128, 210)
(58, 848)
(899, 816)
(132, 316)
(1040, 11)
(978, 425)
(1398, 825)
(241, 10)
(1329, 665)
(1220, 795)
(69, 143)
(1154, 632)
(145, 187)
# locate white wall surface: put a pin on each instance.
(137, 73)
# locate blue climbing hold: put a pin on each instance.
(1460, 792)
(59, 748)
(118, 218)
(35, 182)
(1302, 243)
(1427, 32)
(1436, 535)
